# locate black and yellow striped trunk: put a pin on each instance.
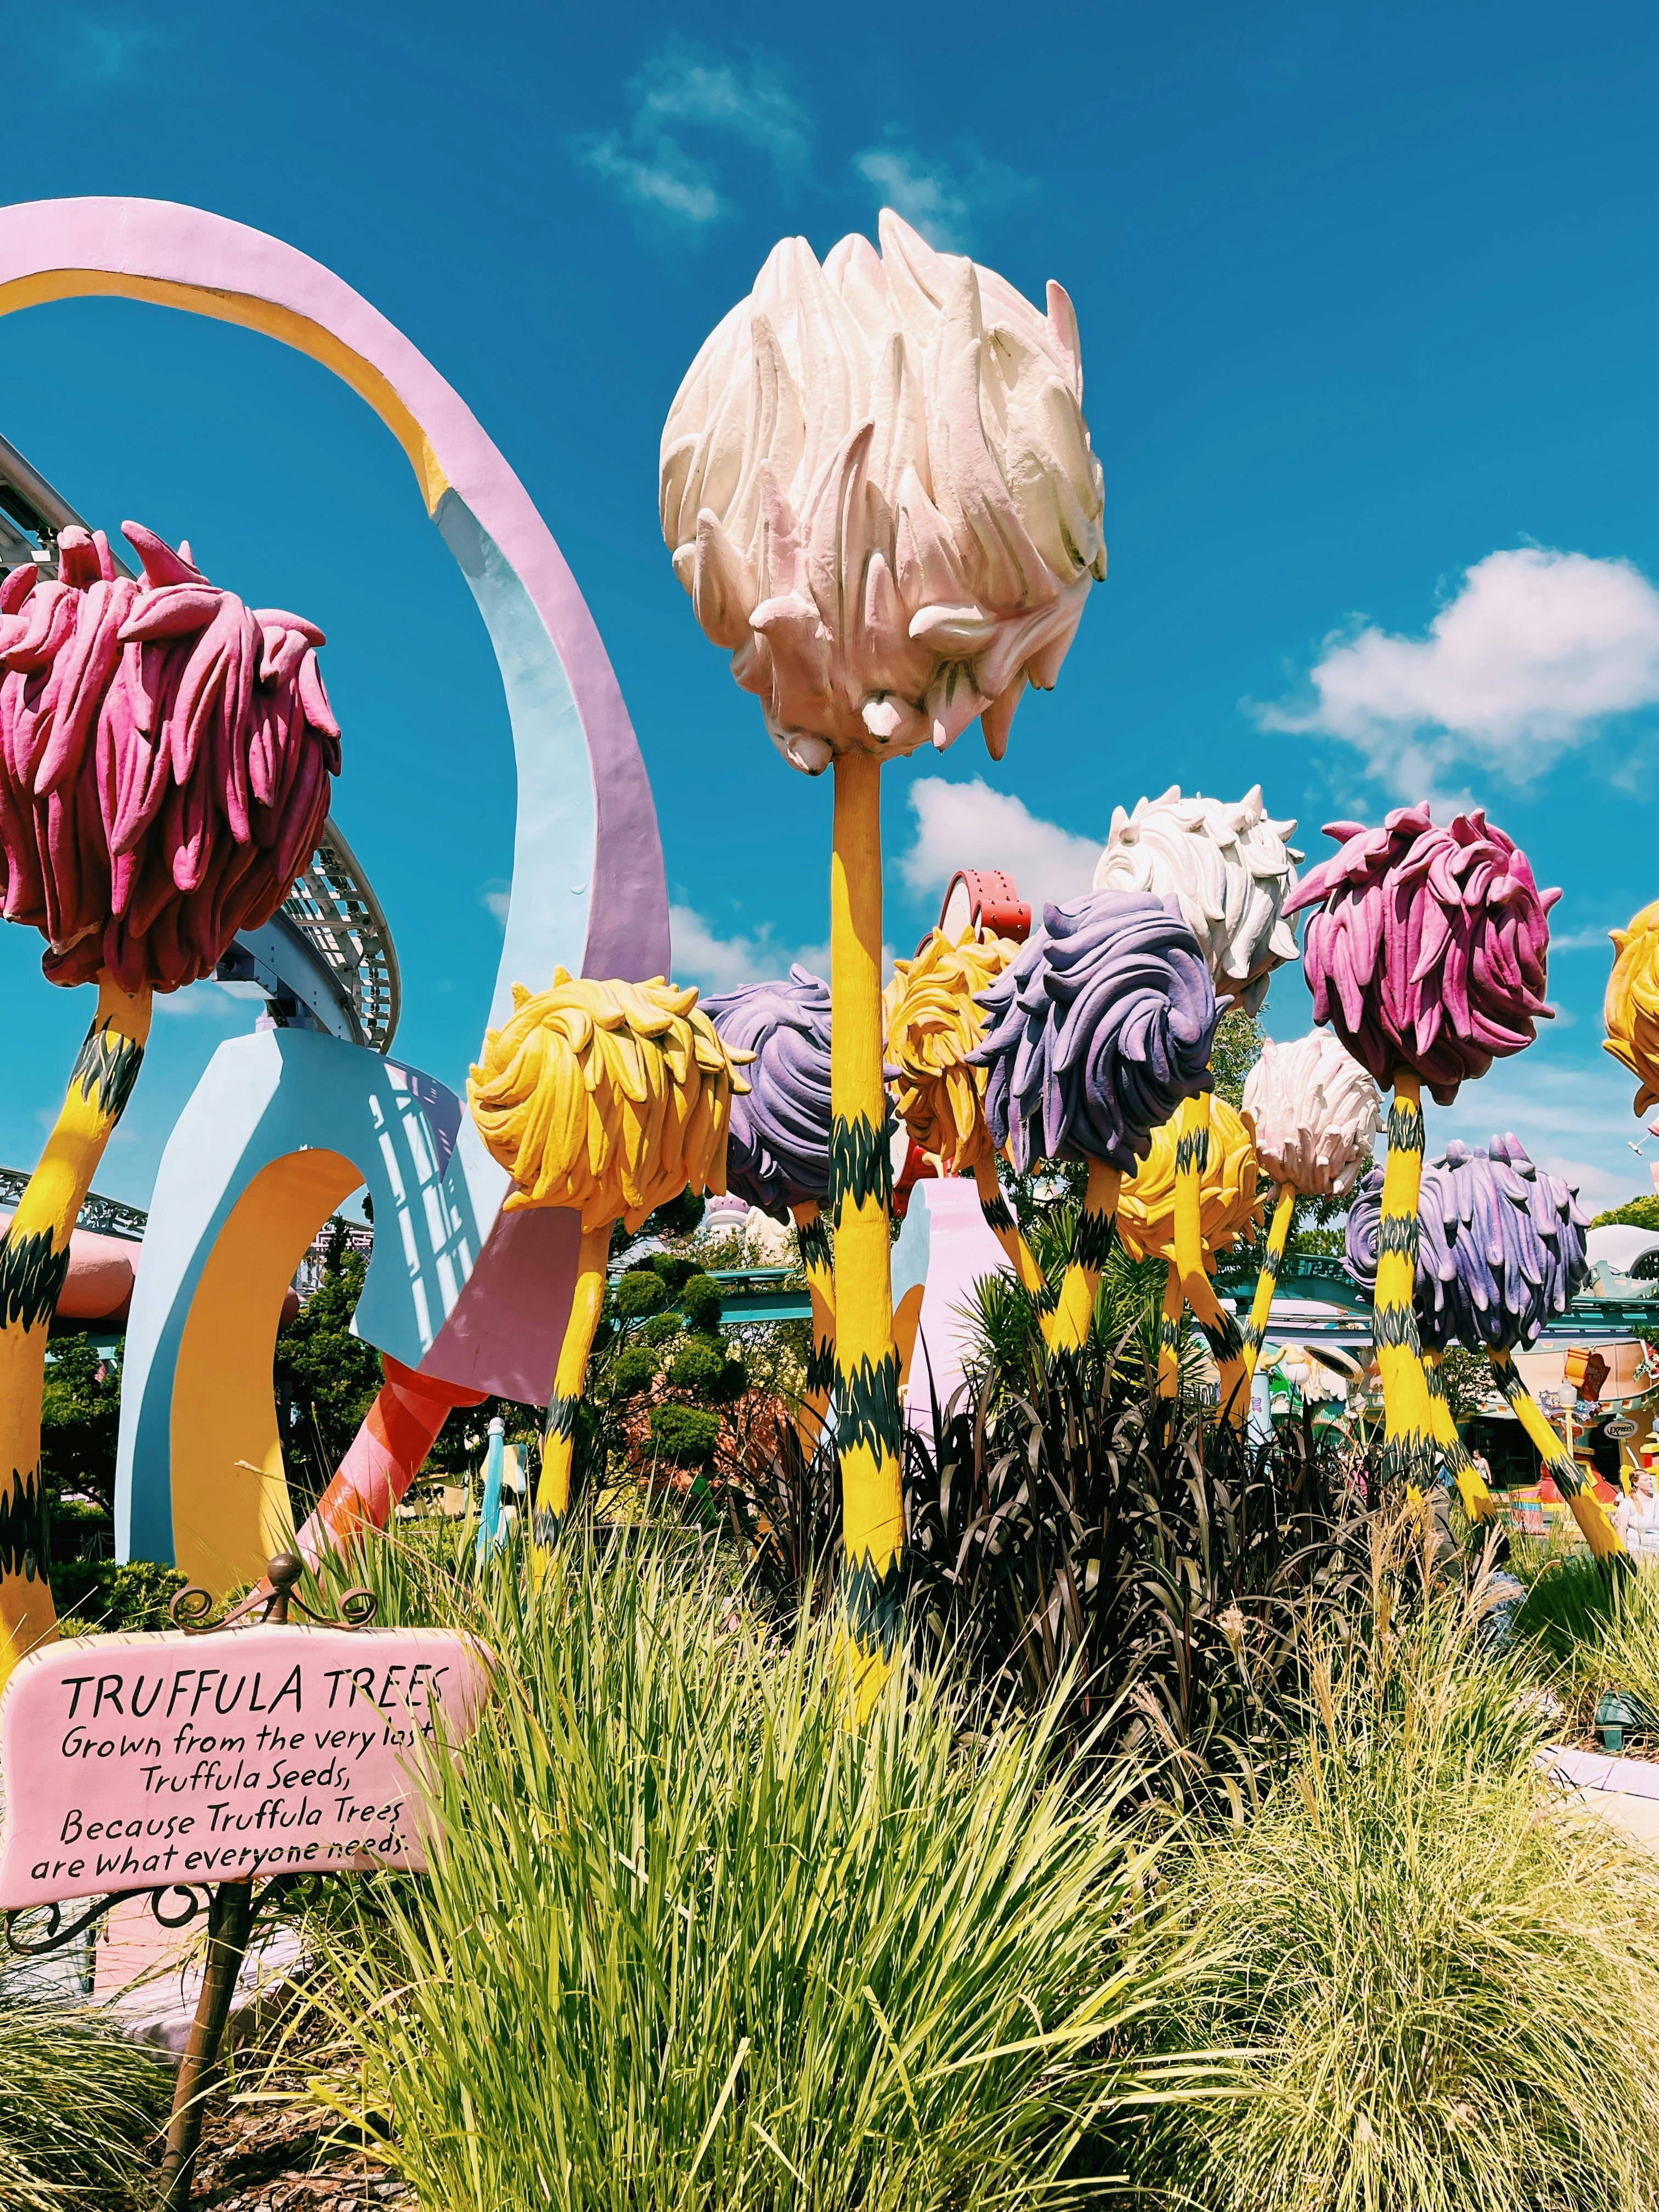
(861, 1205)
(1586, 1508)
(34, 1258)
(1408, 1454)
(1266, 1282)
(1090, 1247)
(812, 1234)
(1478, 1501)
(559, 1446)
(1221, 1331)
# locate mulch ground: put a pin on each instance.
(286, 2158)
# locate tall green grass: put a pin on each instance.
(694, 1940)
(77, 2105)
(1441, 1982)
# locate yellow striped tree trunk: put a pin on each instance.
(1220, 1329)
(35, 1257)
(1478, 1501)
(812, 1234)
(1168, 1335)
(1406, 1420)
(1021, 1258)
(860, 1205)
(1090, 1249)
(559, 1445)
(1279, 1235)
(1586, 1508)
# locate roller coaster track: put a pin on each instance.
(325, 959)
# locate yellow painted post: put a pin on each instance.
(812, 1234)
(1021, 1258)
(1586, 1508)
(1266, 1282)
(1405, 1416)
(35, 1256)
(1090, 1249)
(1478, 1501)
(860, 1203)
(1221, 1330)
(1168, 1335)
(559, 1446)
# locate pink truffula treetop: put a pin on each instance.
(1429, 949)
(211, 746)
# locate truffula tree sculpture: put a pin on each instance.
(878, 487)
(1631, 1012)
(609, 1098)
(1314, 1113)
(1427, 956)
(164, 758)
(1231, 871)
(1095, 1033)
(1500, 1251)
(1228, 1205)
(777, 1155)
(934, 1024)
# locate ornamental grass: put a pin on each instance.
(693, 1939)
(78, 2104)
(1439, 1979)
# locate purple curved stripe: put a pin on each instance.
(627, 920)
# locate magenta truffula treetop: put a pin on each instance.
(165, 759)
(1429, 947)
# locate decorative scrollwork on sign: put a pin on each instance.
(191, 1608)
(36, 1943)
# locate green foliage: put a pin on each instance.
(663, 1327)
(1237, 1047)
(639, 1292)
(634, 1370)
(460, 1446)
(765, 1961)
(698, 1365)
(680, 1217)
(79, 2103)
(1640, 1212)
(700, 1301)
(674, 1268)
(1468, 1378)
(1439, 1985)
(80, 1418)
(115, 1600)
(684, 1435)
(326, 1379)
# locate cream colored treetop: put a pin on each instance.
(1315, 1113)
(1230, 868)
(878, 487)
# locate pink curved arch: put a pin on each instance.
(184, 258)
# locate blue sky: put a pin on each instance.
(1371, 328)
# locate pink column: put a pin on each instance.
(383, 1459)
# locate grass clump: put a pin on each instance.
(1440, 1982)
(78, 2104)
(693, 1939)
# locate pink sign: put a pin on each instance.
(135, 1762)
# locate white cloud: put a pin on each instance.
(496, 897)
(1584, 941)
(970, 826)
(938, 200)
(1531, 657)
(722, 964)
(207, 998)
(685, 86)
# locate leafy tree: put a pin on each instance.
(325, 1378)
(1236, 1049)
(1641, 1212)
(80, 1416)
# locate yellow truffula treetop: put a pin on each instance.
(608, 1099)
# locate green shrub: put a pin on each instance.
(699, 1300)
(99, 1594)
(639, 1292)
(698, 1365)
(765, 1961)
(686, 1436)
(662, 1327)
(78, 2104)
(680, 1217)
(1441, 1983)
(673, 1268)
(634, 1370)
